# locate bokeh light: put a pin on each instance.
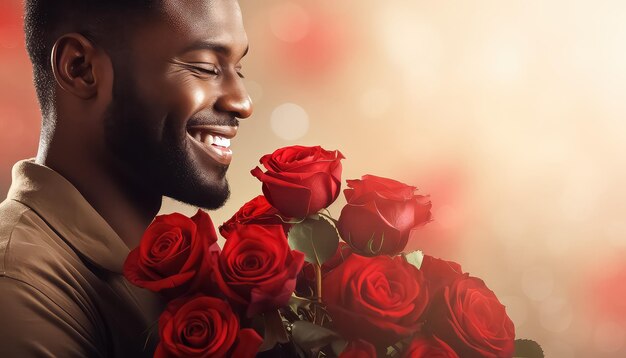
(289, 22)
(537, 283)
(289, 121)
(609, 337)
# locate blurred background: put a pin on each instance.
(510, 114)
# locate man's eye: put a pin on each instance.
(209, 71)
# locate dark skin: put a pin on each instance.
(125, 123)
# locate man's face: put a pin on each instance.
(177, 95)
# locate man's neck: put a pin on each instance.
(127, 208)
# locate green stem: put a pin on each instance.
(318, 282)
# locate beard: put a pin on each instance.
(151, 151)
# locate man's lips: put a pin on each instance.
(222, 131)
(214, 140)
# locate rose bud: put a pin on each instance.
(380, 214)
(176, 255)
(377, 299)
(470, 319)
(256, 211)
(429, 347)
(440, 273)
(204, 326)
(258, 270)
(300, 181)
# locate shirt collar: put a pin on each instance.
(63, 207)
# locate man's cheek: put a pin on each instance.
(187, 98)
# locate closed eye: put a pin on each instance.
(214, 71)
(209, 71)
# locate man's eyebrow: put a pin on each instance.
(213, 46)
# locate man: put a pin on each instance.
(140, 99)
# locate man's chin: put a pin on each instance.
(209, 197)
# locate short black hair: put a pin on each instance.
(105, 22)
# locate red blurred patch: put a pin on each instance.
(605, 290)
(11, 32)
(10, 13)
(19, 110)
(319, 53)
(446, 188)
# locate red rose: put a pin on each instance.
(176, 254)
(469, 318)
(300, 181)
(258, 269)
(203, 326)
(358, 349)
(440, 273)
(379, 299)
(256, 211)
(380, 215)
(431, 347)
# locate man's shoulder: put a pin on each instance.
(30, 250)
(35, 262)
(15, 227)
(41, 306)
(11, 213)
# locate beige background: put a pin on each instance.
(509, 113)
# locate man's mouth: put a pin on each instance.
(214, 140)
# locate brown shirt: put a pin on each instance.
(62, 293)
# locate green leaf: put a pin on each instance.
(289, 221)
(328, 216)
(274, 331)
(296, 302)
(415, 258)
(338, 346)
(317, 239)
(526, 348)
(311, 336)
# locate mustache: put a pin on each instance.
(212, 120)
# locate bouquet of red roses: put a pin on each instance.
(312, 285)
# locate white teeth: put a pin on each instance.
(208, 139)
(221, 141)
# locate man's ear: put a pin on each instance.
(74, 60)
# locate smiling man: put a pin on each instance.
(139, 99)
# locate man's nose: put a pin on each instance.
(235, 100)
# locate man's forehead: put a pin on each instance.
(215, 18)
(217, 21)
